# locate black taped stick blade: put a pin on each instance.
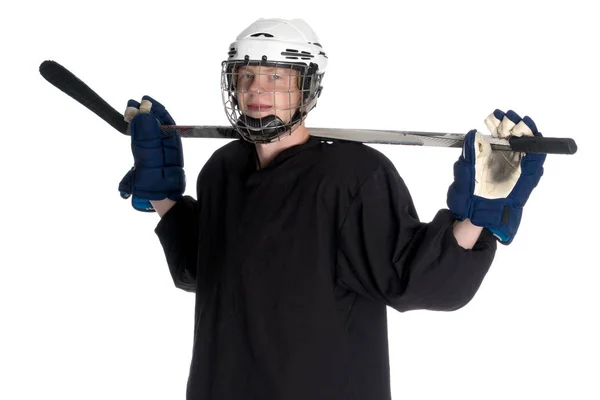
(66, 81)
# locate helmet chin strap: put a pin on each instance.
(264, 130)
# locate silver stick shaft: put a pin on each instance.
(410, 138)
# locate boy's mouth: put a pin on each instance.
(258, 107)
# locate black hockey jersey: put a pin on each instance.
(293, 266)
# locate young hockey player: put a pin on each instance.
(294, 246)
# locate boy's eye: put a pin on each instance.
(273, 76)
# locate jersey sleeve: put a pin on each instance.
(177, 232)
(387, 254)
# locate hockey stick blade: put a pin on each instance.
(67, 82)
(64, 80)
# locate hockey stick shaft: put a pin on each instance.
(430, 139)
(67, 82)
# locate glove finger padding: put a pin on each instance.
(504, 125)
(461, 190)
(133, 109)
(147, 137)
(148, 106)
(172, 150)
(157, 109)
(532, 170)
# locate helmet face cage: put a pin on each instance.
(287, 90)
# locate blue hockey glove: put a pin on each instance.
(491, 187)
(157, 172)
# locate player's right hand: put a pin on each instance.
(157, 172)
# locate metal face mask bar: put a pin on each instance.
(266, 101)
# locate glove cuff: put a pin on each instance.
(501, 216)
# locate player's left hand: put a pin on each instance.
(491, 187)
(157, 172)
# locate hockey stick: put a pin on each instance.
(66, 81)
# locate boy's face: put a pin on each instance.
(263, 91)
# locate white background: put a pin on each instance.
(87, 306)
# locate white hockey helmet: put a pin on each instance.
(278, 43)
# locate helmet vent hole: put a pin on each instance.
(296, 53)
(261, 34)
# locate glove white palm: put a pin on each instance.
(497, 172)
